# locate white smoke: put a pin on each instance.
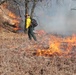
(57, 18)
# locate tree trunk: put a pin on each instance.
(26, 12)
(33, 8)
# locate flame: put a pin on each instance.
(17, 28)
(15, 20)
(12, 18)
(11, 15)
(71, 42)
(58, 46)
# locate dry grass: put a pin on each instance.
(17, 57)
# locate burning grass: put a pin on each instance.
(51, 55)
(8, 17)
(59, 46)
(17, 54)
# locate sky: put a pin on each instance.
(56, 17)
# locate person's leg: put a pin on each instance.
(32, 33)
(29, 34)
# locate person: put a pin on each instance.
(30, 28)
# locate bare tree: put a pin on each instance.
(27, 2)
(33, 7)
(34, 3)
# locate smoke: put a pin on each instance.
(57, 18)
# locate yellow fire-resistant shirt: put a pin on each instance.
(28, 22)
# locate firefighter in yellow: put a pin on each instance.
(28, 21)
(30, 28)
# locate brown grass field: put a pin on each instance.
(18, 56)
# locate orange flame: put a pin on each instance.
(10, 17)
(15, 19)
(58, 46)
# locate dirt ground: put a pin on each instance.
(17, 57)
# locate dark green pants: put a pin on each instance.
(31, 33)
